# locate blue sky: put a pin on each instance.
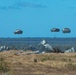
(37, 17)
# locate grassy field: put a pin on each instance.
(14, 63)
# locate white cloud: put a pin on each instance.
(20, 4)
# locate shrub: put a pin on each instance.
(35, 60)
(71, 66)
(70, 60)
(4, 67)
(44, 59)
(1, 59)
(64, 59)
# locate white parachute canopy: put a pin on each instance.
(70, 50)
(48, 47)
(42, 42)
(44, 46)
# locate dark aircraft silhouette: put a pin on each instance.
(66, 30)
(18, 31)
(55, 30)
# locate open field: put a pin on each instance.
(14, 63)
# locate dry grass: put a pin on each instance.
(39, 64)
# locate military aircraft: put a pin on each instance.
(66, 30)
(55, 30)
(18, 31)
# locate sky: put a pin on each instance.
(37, 17)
